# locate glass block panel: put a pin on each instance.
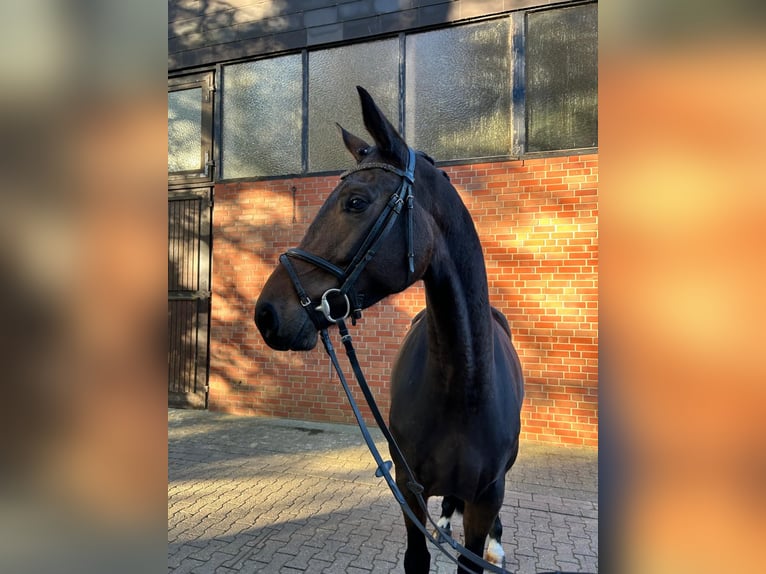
(562, 78)
(261, 131)
(333, 77)
(458, 91)
(185, 130)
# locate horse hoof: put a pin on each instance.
(495, 554)
(438, 535)
(445, 524)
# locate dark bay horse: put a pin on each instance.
(456, 385)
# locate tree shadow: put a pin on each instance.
(252, 225)
(273, 509)
(543, 275)
(546, 286)
(209, 31)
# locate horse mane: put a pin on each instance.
(425, 156)
(430, 160)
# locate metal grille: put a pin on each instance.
(182, 349)
(188, 297)
(183, 244)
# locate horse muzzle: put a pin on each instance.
(281, 333)
(282, 322)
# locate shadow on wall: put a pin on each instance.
(541, 262)
(204, 22)
(253, 224)
(211, 31)
(541, 250)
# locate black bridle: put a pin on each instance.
(351, 305)
(337, 304)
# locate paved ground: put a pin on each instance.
(263, 495)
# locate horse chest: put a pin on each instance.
(455, 466)
(449, 456)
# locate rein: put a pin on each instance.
(384, 467)
(336, 304)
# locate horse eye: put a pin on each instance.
(356, 204)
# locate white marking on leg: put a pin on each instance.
(495, 553)
(445, 523)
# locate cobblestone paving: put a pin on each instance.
(250, 494)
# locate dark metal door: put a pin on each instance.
(190, 198)
(188, 297)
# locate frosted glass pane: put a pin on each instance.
(458, 92)
(333, 77)
(261, 132)
(185, 130)
(562, 78)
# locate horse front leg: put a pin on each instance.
(495, 553)
(417, 559)
(479, 520)
(451, 505)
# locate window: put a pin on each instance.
(458, 100)
(184, 130)
(524, 82)
(262, 117)
(562, 78)
(190, 125)
(333, 75)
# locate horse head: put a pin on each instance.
(373, 237)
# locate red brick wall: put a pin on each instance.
(537, 220)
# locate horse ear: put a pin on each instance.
(356, 145)
(385, 135)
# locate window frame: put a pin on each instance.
(523, 34)
(517, 144)
(206, 81)
(398, 122)
(220, 117)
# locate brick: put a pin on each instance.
(541, 246)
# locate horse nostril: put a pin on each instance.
(267, 319)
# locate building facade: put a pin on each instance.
(502, 94)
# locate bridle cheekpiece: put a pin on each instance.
(336, 304)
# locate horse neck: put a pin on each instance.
(457, 300)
